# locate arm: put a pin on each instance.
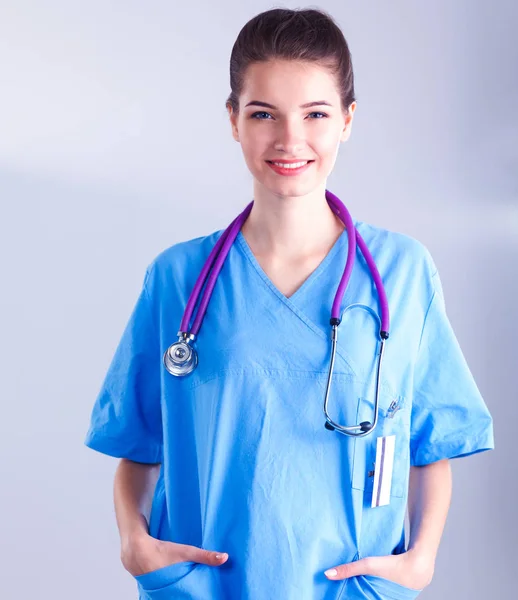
(133, 489)
(429, 496)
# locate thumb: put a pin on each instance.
(364, 566)
(208, 557)
(200, 555)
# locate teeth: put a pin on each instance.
(291, 166)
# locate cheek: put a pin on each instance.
(328, 152)
(327, 143)
(254, 152)
(255, 140)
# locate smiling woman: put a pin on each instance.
(260, 491)
(291, 131)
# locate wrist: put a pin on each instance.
(137, 531)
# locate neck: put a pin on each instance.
(291, 227)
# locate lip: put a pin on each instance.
(287, 171)
(290, 162)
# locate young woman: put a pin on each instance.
(234, 484)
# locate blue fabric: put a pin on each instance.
(248, 467)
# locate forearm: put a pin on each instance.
(133, 489)
(429, 498)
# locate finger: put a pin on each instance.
(199, 555)
(364, 566)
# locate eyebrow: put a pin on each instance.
(307, 105)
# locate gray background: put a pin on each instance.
(115, 144)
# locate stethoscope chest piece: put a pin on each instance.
(181, 358)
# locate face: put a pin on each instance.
(287, 131)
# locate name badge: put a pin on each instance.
(385, 446)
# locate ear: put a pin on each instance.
(233, 122)
(346, 132)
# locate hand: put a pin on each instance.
(410, 569)
(142, 553)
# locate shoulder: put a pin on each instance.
(181, 260)
(394, 246)
(406, 266)
(188, 250)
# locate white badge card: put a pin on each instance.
(385, 447)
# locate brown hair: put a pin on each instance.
(303, 34)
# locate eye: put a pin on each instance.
(258, 113)
(254, 115)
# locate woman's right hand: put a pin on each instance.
(142, 553)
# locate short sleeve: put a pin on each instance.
(126, 416)
(449, 416)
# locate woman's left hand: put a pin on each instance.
(409, 569)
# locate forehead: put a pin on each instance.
(283, 82)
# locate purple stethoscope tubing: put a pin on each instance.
(353, 236)
(225, 241)
(181, 358)
(215, 259)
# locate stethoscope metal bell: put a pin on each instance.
(181, 358)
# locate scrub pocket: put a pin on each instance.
(184, 580)
(393, 419)
(371, 587)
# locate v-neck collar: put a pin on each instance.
(292, 303)
(307, 282)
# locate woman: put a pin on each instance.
(229, 485)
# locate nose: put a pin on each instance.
(290, 138)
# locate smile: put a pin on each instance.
(290, 168)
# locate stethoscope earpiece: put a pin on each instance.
(365, 426)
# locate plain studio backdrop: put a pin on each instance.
(115, 144)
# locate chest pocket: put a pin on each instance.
(393, 419)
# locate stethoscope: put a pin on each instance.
(181, 357)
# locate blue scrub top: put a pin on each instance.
(248, 467)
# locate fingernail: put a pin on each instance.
(224, 555)
(331, 572)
